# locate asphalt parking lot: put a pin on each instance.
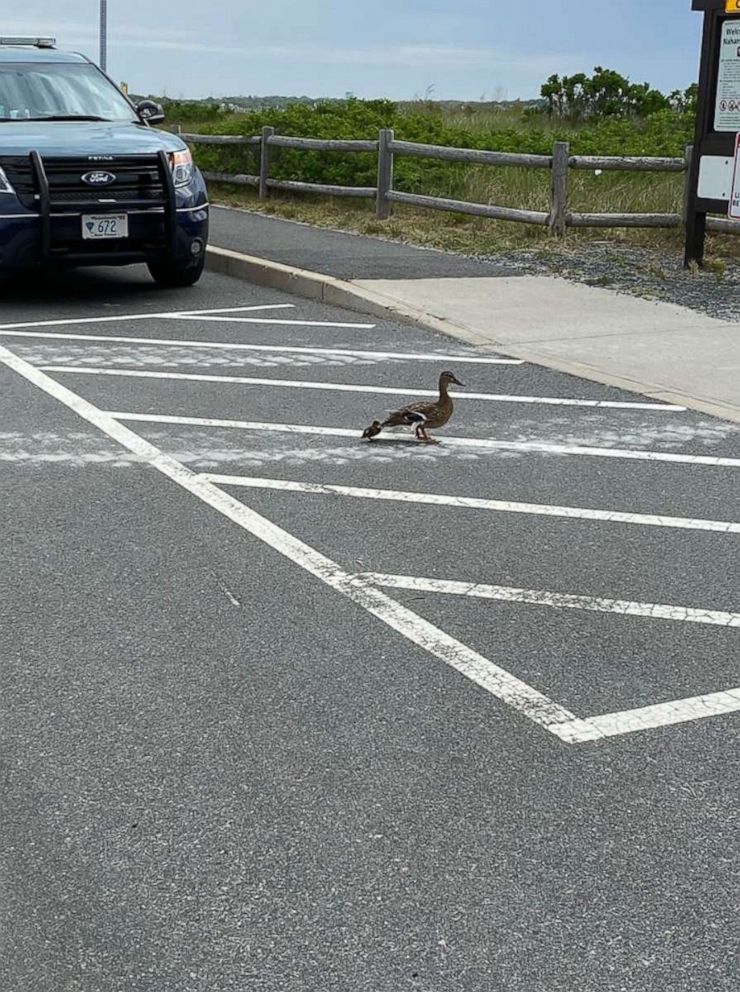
(287, 710)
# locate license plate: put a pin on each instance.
(99, 226)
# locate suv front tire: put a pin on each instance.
(173, 275)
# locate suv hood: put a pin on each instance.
(83, 138)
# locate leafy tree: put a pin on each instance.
(685, 101)
(606, 93)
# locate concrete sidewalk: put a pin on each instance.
(656, 349)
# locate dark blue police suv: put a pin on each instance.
(84, 177)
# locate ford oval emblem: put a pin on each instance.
(99, 178)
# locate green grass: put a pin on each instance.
(447, 231)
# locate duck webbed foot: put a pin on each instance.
(421, 435)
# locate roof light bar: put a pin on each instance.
(28, 42)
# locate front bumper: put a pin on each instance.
(50, 233)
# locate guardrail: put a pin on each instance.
(558, 219)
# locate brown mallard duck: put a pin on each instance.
(421, 416)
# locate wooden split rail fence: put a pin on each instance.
(558, 219)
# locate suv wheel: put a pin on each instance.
(173, 274)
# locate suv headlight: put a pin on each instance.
(5, 186)
(182, 167)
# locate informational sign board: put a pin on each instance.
(733, 211)
(727, 107)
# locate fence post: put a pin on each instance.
(687, 157)
(267, 133)
(383, 206)
(559, 190)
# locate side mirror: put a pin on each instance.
(150, 112)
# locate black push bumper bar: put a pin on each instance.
(165, 205)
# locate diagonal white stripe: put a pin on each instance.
(495, 680)
(500, 683)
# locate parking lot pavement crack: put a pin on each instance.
(229, 595)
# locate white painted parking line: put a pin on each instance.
(537, 707)
(344, 387)
(302, 323)
(224, 319)
(473, 503)
(649, 717)
(7, 329)
(217, 310)
(114, 339)
(483, 672)
(290, 349)
(557, 600)
(534, 447)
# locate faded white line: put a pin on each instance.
(113, 339)
(468, 359)
(345, 387)
(495, 680)
(7, 329)
(557, 600)
(291, 349)
(535, 447)
(295, 323)
(648, 717)
(247, 425)
(474, 503)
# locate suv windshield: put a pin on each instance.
(59, 91)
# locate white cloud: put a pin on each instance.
(403, 56)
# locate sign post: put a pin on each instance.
(104, 35)
(717, 122)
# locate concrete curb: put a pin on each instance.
(328, 289)
(338, 292)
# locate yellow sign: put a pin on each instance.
(732, 6)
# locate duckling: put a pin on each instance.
(373, 430)
(422, 416)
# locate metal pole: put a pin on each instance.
(104, 35)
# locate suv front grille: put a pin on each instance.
(138, 179)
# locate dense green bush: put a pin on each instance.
(663, 133)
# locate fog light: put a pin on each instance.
(196, 248)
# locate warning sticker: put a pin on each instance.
(733, 211)
(727, 109)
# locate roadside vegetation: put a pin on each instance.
(602, 114)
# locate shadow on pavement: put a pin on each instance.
(86, 286)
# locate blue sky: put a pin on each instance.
(460, 49)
